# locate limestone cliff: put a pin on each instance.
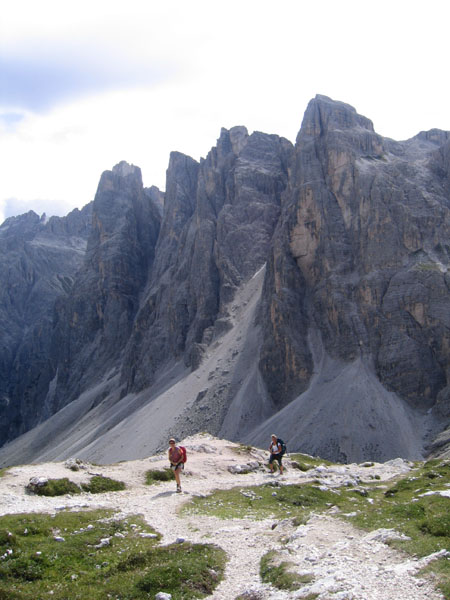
(300, 289)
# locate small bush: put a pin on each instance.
(301, 466)
(437, 526)
(156, 475)
(27, 568)
(99, 484)
(56, 487)
(309, 461)
(404, 485)
(7, 538)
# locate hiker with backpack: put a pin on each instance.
(177, 458)
(277, 448)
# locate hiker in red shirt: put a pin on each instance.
(176, 461)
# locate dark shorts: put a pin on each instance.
(276, 457)
(178, 466)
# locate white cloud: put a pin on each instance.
(252, 63)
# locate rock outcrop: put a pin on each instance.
(299, 289)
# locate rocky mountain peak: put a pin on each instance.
(341, 129)
(124, 169)
(230, 143)
(20, 225)
(436, 136)
(324, 114)
(238, 138)
(271, 288)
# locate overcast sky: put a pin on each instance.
(85, 84)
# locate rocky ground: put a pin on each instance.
(347, 564)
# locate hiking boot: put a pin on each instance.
(178, 489)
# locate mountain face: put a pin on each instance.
(38, 262)
(299, 289)
(92, 326)
(359, 283)
(218, 223)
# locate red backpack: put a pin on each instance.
(183, 452)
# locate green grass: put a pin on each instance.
(56, 487)
(59, 487)
(35, 565)
(423, 518)
(157, 475)
(312, 461)
(3, 471)
(401, 505)
(303, 462)
(183, 570)
(241, 449)
(99, 484)
(278, 574)
(273, 500)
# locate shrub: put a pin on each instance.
(99, 484)
(155, 475)
(55, 487)
(301, 466)
(437, 526)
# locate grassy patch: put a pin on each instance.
(183, 570)
(440, 570)
(156, 475)
(241, 449)
(273, 500)
(277, 572)
(304, 462)
(56, 487)
(411, 505)
(3, 471)
(99, 484)
(301, 466)
(414, 506)
(99, 557)
(59, 487)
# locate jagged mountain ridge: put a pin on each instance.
(342, 340)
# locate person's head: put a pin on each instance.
(172, 442)
(274, 437)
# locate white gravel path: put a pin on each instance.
(347, 564)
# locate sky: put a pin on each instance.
(85, 84)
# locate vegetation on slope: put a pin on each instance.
(98, 484)
(417, 506)
(94, 555)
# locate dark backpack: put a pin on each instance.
(283, 446)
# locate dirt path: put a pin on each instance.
(346, 563)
